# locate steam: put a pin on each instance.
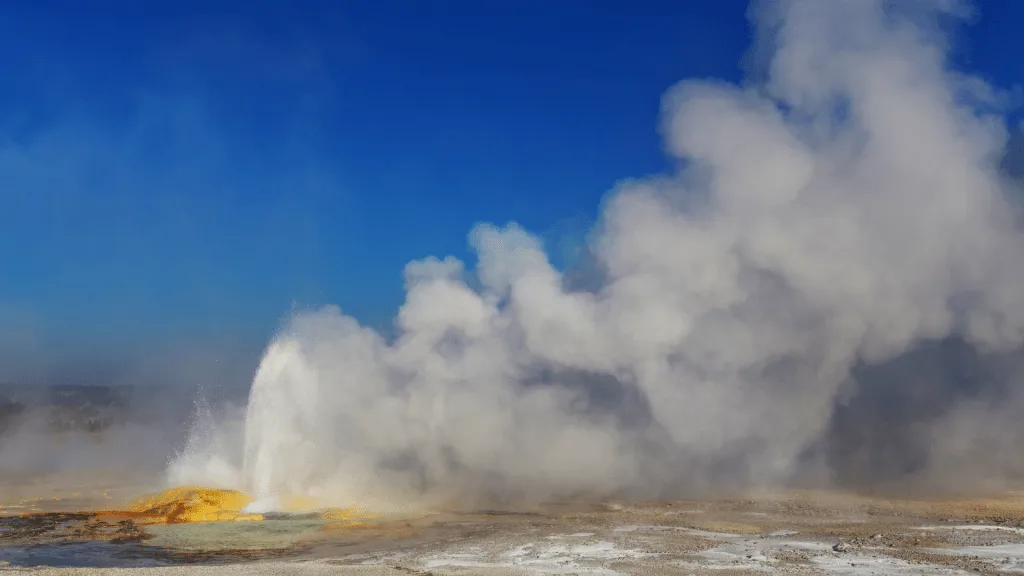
(107, 438)
(826, 222)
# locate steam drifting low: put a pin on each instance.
(842, 213)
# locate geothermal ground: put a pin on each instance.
(786, 533)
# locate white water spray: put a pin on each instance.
(282, 427)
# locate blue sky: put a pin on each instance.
(190, 170)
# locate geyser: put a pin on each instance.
(843, 212)
(282, 427)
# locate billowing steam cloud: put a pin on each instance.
(841, 216)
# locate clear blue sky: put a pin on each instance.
(191, 169)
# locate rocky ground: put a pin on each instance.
(793, 533)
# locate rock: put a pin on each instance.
(841, 547)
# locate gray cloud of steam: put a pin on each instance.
(829, 290)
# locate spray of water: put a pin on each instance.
(835, 216)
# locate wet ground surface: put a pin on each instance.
(793, 533)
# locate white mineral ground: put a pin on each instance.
(791, 533)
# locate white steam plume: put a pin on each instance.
(843, 211)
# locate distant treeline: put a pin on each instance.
(64, 407)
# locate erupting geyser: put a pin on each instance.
(282, 428)
(842, 213)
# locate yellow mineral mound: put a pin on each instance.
(345, 518)
(301, 504)
(192, 504)
(345, 514)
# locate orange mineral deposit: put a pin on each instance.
(192, 504)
